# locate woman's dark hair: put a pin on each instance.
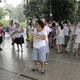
(65, 22)
(76, 22)
(30, 22)
(61, 26)
(40, 23)
(53, 24)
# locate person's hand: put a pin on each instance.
(54, 38)
(27, 46)
(34, 35)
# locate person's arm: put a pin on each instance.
(39, 37)
(56, 34)
(75, 37)
(69, 32)
(29, 43)
(21, 31)
(12, 33)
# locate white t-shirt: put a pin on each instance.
(61, 34)
(66, 30)
(30, 30)
(38, 43)
(77, 40)
(18, 35)
(12, 29)
(48, 30)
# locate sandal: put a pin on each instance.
(43, 73)
(34, 70)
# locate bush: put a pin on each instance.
(6, 23)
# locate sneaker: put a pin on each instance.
(46, 62)
(18, 50)
(12, 43)
(38, 62)
(1, 49)
(67, 52)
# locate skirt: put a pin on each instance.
(1, 39)
(19, 40)
(59, 40)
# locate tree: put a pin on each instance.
(78, 11)
(37, 9)
(61, 9)
(2, 13)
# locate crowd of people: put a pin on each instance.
(43, 35)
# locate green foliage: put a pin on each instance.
(61, 9)
(2, 13)
(38, 9)
(6, 23)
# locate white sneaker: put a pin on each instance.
(18, 50)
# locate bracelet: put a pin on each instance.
(37, 36)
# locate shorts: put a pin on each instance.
(30, 37)
(47, 48)
(42, 54)
(66, 39)
(76, 45)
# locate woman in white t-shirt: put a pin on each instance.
(19, 39)
(39, 45)
(59, 38)
(77, 40)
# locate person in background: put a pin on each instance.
(72, 36)
(1, 39)
(19, 39)
(59, 38)
(53, 33)
(66, 32)
(27, 29)
(77, 40)
(48, 30)
(12, 29)
(31, 29)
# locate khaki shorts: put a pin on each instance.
(76, 45)
(47, 48)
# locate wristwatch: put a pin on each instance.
(37, 36)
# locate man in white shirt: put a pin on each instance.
(48, 30)
(66, 33)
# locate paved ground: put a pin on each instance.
(17, 66)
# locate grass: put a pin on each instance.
(6, 23)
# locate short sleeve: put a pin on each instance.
(76, 31)
(44, 33)
(49, 30)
